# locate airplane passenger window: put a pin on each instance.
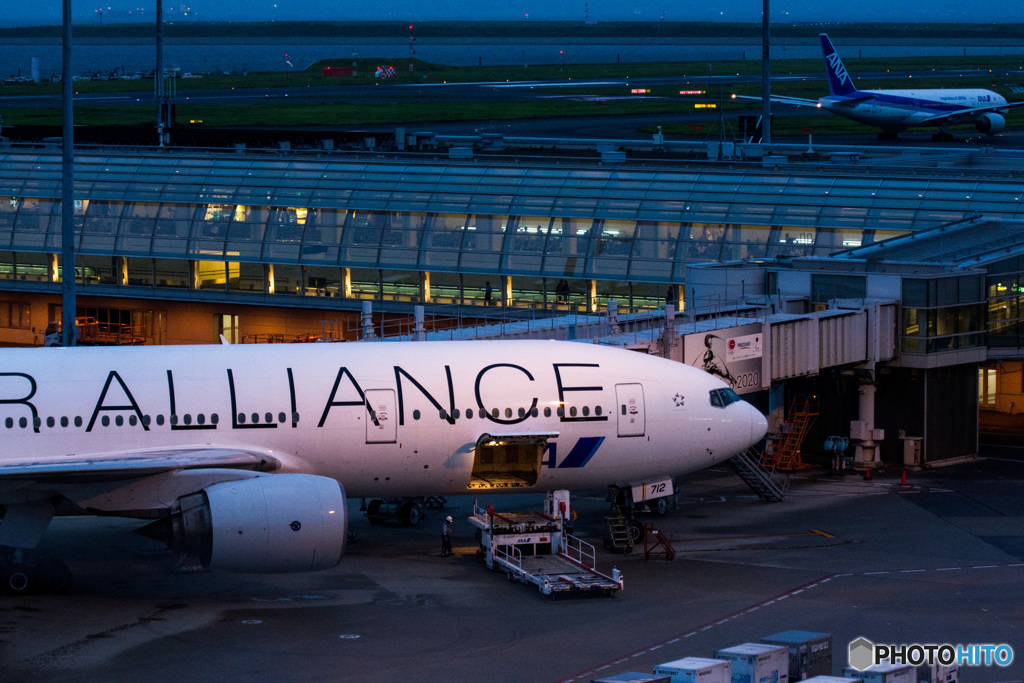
(456, 413)
(241, 418)
(443, 414)
(22, 422)
(547, 411)
(64, 421)
(146, 420)
(586, 411)
(78, 420)
(494, 413)
(159, 420)
(572, 411)
(561, 411)
(37, 423)
(174, 419)
(281, 417)
(522, 412)
(415, 414)
(105, 421)
(469, 412)
(255, 418)
(9, 423)
(597, 410)
(119, 421)
(188, 418)
(534, 413)
(200, 419)
(50, 422)
(268, 418)
(132, 420)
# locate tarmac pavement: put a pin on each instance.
(940, 560)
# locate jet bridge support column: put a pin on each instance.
(866, 455)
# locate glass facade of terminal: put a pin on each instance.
(537, 236)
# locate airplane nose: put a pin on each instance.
(758, 425)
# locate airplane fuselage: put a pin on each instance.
(381, 419)
(897, 109)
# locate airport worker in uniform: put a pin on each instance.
(446, 537)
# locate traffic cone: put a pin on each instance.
(903, 480)
(867, 474)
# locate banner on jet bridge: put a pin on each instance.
(733, 354)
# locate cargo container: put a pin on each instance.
(884, 673)
(757, 663)
(810, 654)
(938, 673)
(696, 670)
(632, 677)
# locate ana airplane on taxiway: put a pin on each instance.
(896, 110)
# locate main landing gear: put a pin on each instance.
(405, 511)
(29, 571)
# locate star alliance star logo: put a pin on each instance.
(678, 400)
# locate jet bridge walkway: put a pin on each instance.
(532, 547)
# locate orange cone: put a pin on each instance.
(903, 480)
(867, 474)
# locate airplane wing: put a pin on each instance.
(971, 113)
(795, 101)
(128, 465)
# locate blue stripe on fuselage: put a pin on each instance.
(902, 102)
(582, 452)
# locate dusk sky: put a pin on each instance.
(49, 11)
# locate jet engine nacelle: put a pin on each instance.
(271, 523)
(990, 123)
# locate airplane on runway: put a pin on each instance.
(896, 110)
(243, 455)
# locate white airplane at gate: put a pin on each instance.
(245, 453)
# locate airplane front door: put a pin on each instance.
(381, 423)
(630, 399)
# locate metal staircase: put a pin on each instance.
(784, 454)
(764, 481)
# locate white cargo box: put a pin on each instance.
(632, 677)
(696, 670)
(810, 653)
(757, 663)
(831, 679)
(938, 673)
(883, 673)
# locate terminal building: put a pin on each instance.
(925, 253)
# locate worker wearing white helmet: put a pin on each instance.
(446, 537)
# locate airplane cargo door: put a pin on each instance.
(381, 425)
(630, 398)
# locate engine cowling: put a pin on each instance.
(990, 123)
(271, 523)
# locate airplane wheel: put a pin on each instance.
(413, 514)
(660, 507)
(16, 581)
(53, 576)
(371, 512)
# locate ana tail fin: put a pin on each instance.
(839, 81)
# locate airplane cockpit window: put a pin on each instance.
(720, 398)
